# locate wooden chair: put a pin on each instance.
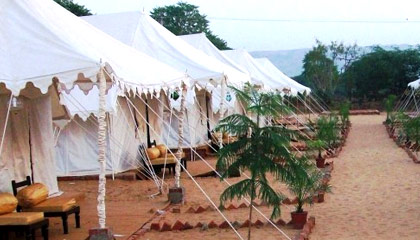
(50, 210)
(159, 163)
(23, 222)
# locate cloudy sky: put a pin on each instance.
(291, 24)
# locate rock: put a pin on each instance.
(224, 224)
(231, 207)
(245, 224)
(258, 223)
(155, 226)
(178, 226)
(152, 210)
(243, 205)
(187, 226)
(280, 222)
(200, 209)
(166, 227)
(199, 225)
(190, 210)
(287, 201)
(213, 224)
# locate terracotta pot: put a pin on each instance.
(299, 219)
(320, 162)
(321, 197)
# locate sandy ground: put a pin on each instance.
(128, 208)
(376, 188)
(375, 196)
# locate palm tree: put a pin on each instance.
(260, 150)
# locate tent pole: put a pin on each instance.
(221, 110)
(208, 117)
(149, 143)
(102, 149)
(177, 193)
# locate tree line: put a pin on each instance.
(338, 71)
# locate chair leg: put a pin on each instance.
(65, 224)
(44, 231)
(28, 234)
(77, 217)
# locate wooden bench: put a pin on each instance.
(52, 207)
(23, 222)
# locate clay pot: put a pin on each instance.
(320, 162)
(299, 219)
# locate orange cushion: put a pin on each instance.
(55, 204)
(162, 148)
(21, 218)
(153, 153)
(32, 195)
(8, 203)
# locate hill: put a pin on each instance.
(290, 61)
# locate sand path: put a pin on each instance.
(375, 189)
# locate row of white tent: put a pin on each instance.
(49, 56)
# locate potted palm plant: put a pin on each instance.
(260, 150)
(389, 106)
(318, 145)
(328, 131)
(305, 186)
(344, 112)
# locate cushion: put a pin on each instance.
(161, 160)
(8, 203)
(153, 153)
(55, 204)
(162, 148)
(32, 195)
(170, 159)
(21, 218)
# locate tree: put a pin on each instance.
(260, 150)
(381, 72)
(76, 9)
(184, 18)
(343, 55)
(320, 71)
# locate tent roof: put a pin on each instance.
(257, 71)
(277, 74)
(414, 84)
(142, 32)
(41, 40)
(201, 42)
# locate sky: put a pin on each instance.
(293, 24)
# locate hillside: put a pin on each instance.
(290, 61)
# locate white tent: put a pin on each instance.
(41, 41)
(414, 84)
(275, 73)
(201, 42)
(257, 71)
(140, 31)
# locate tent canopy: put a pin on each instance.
(41, 40)
(201, 42)
(277, 74)
(143, 33)
(414, 84)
